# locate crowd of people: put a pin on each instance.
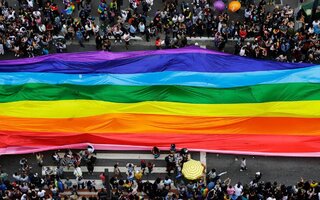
(36, 27)
(26, 183)
(276, 36)
(133, 183)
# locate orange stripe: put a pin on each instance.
(141, 123)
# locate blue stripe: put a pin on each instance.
(201, 79)
(194, 62)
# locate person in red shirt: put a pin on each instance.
(243, 34)
(102, 177)
(158, 43)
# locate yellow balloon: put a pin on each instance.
(234, 6)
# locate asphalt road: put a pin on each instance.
(284, 170)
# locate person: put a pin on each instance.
(184, 152)
(117, 32)
(243, 164)
(132, 30)
(130, 176)
(102, 177)
(98, 42)
(3, 176)
(143, 166)
(167, 183)
(116, 170)
(48, 171)
(59, 171)
(150, 167)
(1, 47)
(130, 167)
(170, 163)
(158, 43)
(147, 33)
(23, 162)
(126, 38)
(74, 190)
(173, 148)
(90, 149)
(156, 152)
(80, 182)
(138, 175)
(106, 44)
(41, 193)
(60, 186)
(230, 191)
(77, 172)
(59, 47)
(102, 194)
(68, 183)
(90, 166)
(238, 189)
(79, 4)
(80, 38)
(212, 174)
(39, 157)
(91, 186)
(256, 179)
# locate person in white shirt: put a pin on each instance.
(243, 51)
(181, 18)
(117, 32)
(316, 23)
(243, 165)
(95, 28)
(41, 193)
(167, 182)
(238, 189)
(16, 177)
(77, 172)
(175, 19)
(80, 182)
(90, 149)
(149, 2)
(130, 167)
(141, 27)
(24, 197)
(30, 3)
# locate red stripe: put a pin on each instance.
(210, 142)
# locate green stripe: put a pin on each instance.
(185, 94)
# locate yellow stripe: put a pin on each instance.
(85, 108)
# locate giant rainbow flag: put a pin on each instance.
(195, 98)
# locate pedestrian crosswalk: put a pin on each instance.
(109, 159)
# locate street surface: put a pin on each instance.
(281, 169)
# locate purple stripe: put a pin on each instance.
(105, 56)
(186, 59)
